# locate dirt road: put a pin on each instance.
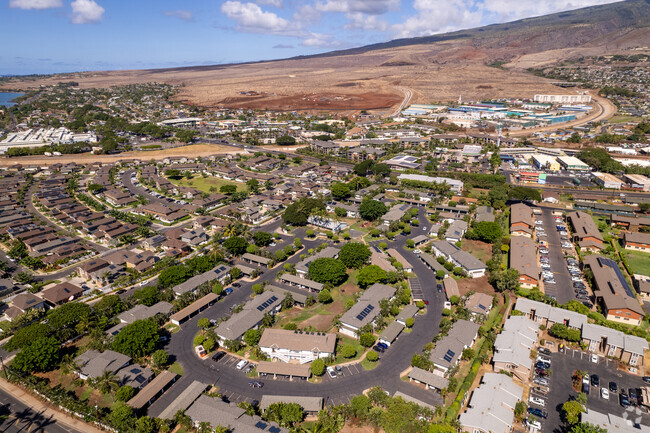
(191, 151)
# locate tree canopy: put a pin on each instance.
(354, 255)
(370, 275)
(327, 270)
(372, 209)
(137, 339)
(43, 354)
(486, 231)
(298, 212)
(235, 245)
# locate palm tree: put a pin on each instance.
(106, 383)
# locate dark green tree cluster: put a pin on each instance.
(326, 270)
(297, 213)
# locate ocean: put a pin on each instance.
(5, 98)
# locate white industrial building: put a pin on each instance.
(607, 180)
(563, 99)
(45, 137)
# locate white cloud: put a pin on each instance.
(509, 10)
(86, 11)
(181, 15)
(307, 14)
(35, 4)
(360, 21)
(370, 7)
(275, 3)
(434, 16)
(251, 18)
(320, 40)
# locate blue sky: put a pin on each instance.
(47, 36)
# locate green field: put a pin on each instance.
(624, 119)
(205, 183)
(639, 262)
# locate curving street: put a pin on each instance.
(233, 383)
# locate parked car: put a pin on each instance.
(228, 291)
(646, 379)
(538, 401)
(382, 345)
(378, 349)
(439, 288)
(541, 390)
(218, 355)
(540, 381)
(542, 365)
(533, 424)
(623, 400)
(541, 371)
(594, 359)
(338, 369)
(543, 351)
(256, 384)
(331, 372)
(241, 364)
(613, 387)
(236, 285)
(538, 412)
(633, 397)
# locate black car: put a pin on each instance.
(625, 402)
(633, 396)
(613, 387)
(236, 285)
(542, 365)
(378, 349)
(544, 351)
(595, 380)
(587, 304)
(537, 412)
(646, 379)
(439, 287)
(217, 356)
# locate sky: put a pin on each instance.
(50, 36)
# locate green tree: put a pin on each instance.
(173, 276)
(486, 231)
(257, 288)
(409, 322)
(125, 393)
(340, 191)
(228, 189)
(367, 339)
(372, 209)
(571, 411)
(252, 337)
(360, 406)
(524, 193)
(298, 212)
(325, 297)
(372, 356)
(25, 336)
(109, 305)
(354, 255)
(42, 354)
(585, 427)
(285, 414)
(327, 270)
(146, 295)
(253, 185)
(137, 339)
(340, 212)
(262, 239)
(235, 245)
(160, 358)
(317, 367)
(203, 323)
(285, 140)
(173, 173)
(370, 275)
(348, 351)
(18, 250)
(144, 424)
(121, 417)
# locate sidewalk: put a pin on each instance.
(46, 409)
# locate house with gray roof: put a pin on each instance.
(449, 349)
(484, 213)
(408, 311)
(430, 380)
(311, 405)
(250, 317)
(513, 345)
(491, 408)
(456, 231)
(134, 375)
(143, 312)
(450, 252)
(286, 346)
(189, 395)
(302, 267)
(218, 273)
(219, 413)
(303, 283)
(479, 304)
(92, 363)
(390, 333)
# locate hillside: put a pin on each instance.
(435, 68)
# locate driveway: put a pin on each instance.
(562, 290)
(354, 381)
(564, 364)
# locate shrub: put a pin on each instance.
(372, 356)
(348, 351)
(317, 367)
(409, 322)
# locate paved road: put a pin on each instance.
(563, 365)
(408, 94)
(23, 419)
(234, 383)
(562, 290)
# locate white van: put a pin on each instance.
(241, 364)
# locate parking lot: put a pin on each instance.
(560, 388)
(562, 289)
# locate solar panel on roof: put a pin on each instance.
(274, 429)
(482, 307)
(260, 308)
(449, 355)
(260, 425)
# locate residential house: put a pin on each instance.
(450, 348)
(523, 258)
(637, 241)
(585, 231)
(491, 408)
(61, 293)
(479, 304)
(522, 221)
(513, 345)
(250, 317)
(287, 346)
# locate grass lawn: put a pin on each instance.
(172, 328)
(368, 365)
(624, 119)
(176, 368)
(639, 262)
(478, 249)
(205, 183)
(347, 340)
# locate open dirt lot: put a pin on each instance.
(192, 150)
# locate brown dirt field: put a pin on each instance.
(193, 151)
(478, 249)
(315, 101)
(347, 428)
(479, 285)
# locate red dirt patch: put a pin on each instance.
(314, 101)
(479, 285)
(478, 249)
